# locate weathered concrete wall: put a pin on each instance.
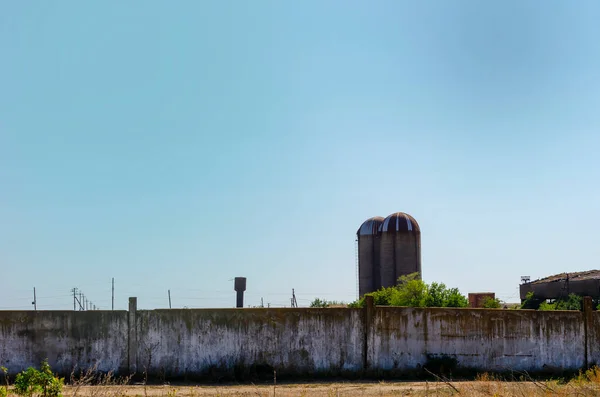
(245, 343)
(219, 342)
(67, 339)
(479, 339)
(593, 337)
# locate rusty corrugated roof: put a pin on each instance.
(572, 276)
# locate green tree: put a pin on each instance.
(571, 302)
(531, 301)
(547, 306)
(318, 302)
(414, 292)
(491, 303)
(456, 299)
(410, 291)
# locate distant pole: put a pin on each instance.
(80, 300)
(169, 299)
(34, 300)
(262, 304)
(113, 293)
(74, 290)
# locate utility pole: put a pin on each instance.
(74, 291)
(262, 304)
(34, 303)
(113, 293)
(169, 299)
(293, 300)
(80, 300)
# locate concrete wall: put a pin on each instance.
(242, 343)
(67, 339)
(491, 340)
(209, 342)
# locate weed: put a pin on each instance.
(172, 392)
(43, 382)
(4, 389)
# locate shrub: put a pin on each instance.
(4, 389)
(572, 302)
(531, 302)
(491, 303)
(43, 382)
(414, 292)
(317, 302)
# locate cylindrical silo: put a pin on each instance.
(400, 245)
(368, 255)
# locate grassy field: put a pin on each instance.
(481, 387)
(585, 384)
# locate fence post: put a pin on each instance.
(587, 324)
(369, 311)
(132, 336)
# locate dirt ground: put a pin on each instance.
(473, 388)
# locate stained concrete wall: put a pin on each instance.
(492, 340)
(223, 343)
(68, 339)
(226, 341)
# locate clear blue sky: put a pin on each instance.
(176, 145)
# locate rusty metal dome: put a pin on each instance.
(399, 222)
(370, 227)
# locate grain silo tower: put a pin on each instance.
(400, 247)
(369, 278)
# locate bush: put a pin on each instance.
(4, 389)
(531, 302)
(414, 292)
(572, 302)
(491, 303)
(43, 382)
(317, 302)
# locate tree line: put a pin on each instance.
(411, 291)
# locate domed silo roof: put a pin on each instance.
(370, 227)
(399, 222)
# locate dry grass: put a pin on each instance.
(586, 384)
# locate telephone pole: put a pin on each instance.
(113, 293)
(293, 299)
(74, 291)
(34, 303)
(169, 299)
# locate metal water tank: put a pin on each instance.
(400, 247)
(368, 255)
